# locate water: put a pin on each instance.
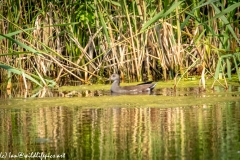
(132, 132)
(187, 124)
(103, 90)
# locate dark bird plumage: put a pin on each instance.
(116, 88)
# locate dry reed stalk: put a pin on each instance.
(61, 66)
(202, 80)
(135, 67)
(84, 50)
(68, 61)
(122, 50)
(178, 50)
(24, 80)
(59, 75)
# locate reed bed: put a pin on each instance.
(84, 42)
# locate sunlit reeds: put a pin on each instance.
(61, 42)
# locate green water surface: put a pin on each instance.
(186, 124)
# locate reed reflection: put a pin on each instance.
(202, 132)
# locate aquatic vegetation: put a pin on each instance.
(84, 42)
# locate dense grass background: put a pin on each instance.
(49, 42)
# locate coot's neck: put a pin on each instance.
(116, 82)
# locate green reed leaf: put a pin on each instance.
(19, 72)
